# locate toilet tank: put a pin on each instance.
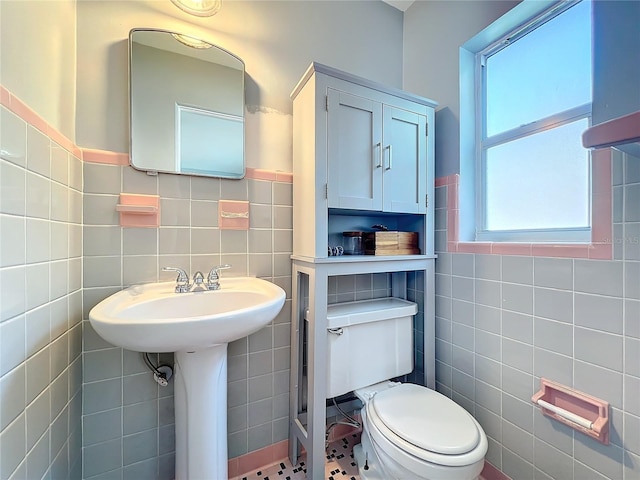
(368, 341)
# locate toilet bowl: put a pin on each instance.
(409, 432)
(412, 432)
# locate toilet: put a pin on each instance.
(408, 431)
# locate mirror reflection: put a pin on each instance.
(187, 105)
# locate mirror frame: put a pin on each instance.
(153, 171)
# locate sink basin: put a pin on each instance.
(197, 326)
(153, 318)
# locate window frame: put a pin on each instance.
(482, 143)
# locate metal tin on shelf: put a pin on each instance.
(353, 243)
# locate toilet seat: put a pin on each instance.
(446, 435)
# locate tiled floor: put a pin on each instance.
(339, 464)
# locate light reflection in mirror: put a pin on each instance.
(187, 106)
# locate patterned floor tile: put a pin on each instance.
(339, 464)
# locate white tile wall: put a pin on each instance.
(40, 305)
(125, 411)
(505, 321)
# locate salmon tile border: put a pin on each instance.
(260, 174)
(258, 459)
(92, 155)
(270, 175)
(489, 472)
(5, 97)
(600, 247)
(284, 177)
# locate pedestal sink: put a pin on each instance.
(197, 326)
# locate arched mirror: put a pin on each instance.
(186, 105)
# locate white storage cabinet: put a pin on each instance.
(362, 154)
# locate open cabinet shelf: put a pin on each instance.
(363, 155)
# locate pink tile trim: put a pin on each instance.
(5, 97)
(258, 459)
(284, 177)
(601, 221)
(232, 467)
(260, 174)
(566, 251)
(602, 205)
(104, 156)
(511, 249)
(447, 180)
(61, 140)
(601, 251)
(21, 109)
(475, 247)
(452, 196)
(272, 175)
(453, 215)
(489, 472)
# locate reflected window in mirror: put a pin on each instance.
(187, 105)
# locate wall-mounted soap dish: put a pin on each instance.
(137, 210)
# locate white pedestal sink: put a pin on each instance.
(197, 326)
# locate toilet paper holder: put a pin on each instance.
(578, 410)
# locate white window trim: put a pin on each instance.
(517, 22)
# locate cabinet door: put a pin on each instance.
(354, 148)
(405, 161)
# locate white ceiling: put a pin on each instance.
(400, 4)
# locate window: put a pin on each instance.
(532, 103)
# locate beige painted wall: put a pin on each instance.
(276, 39)
(38, 58)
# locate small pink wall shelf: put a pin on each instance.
(580, 411)
(233, 215)
(137, 210)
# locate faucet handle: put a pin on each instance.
(214, 276)
(182, 282)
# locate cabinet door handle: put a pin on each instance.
(381, 154)
(390, 164)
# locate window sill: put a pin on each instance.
(600, 247)
(600, 251)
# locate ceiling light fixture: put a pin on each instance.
(191, 41)
(200, 8)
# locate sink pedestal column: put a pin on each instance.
(201, 414)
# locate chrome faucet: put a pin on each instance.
(198, 279)
(212, 282)
(182, 282)
(213, 279)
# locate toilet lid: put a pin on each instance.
(426, 419)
